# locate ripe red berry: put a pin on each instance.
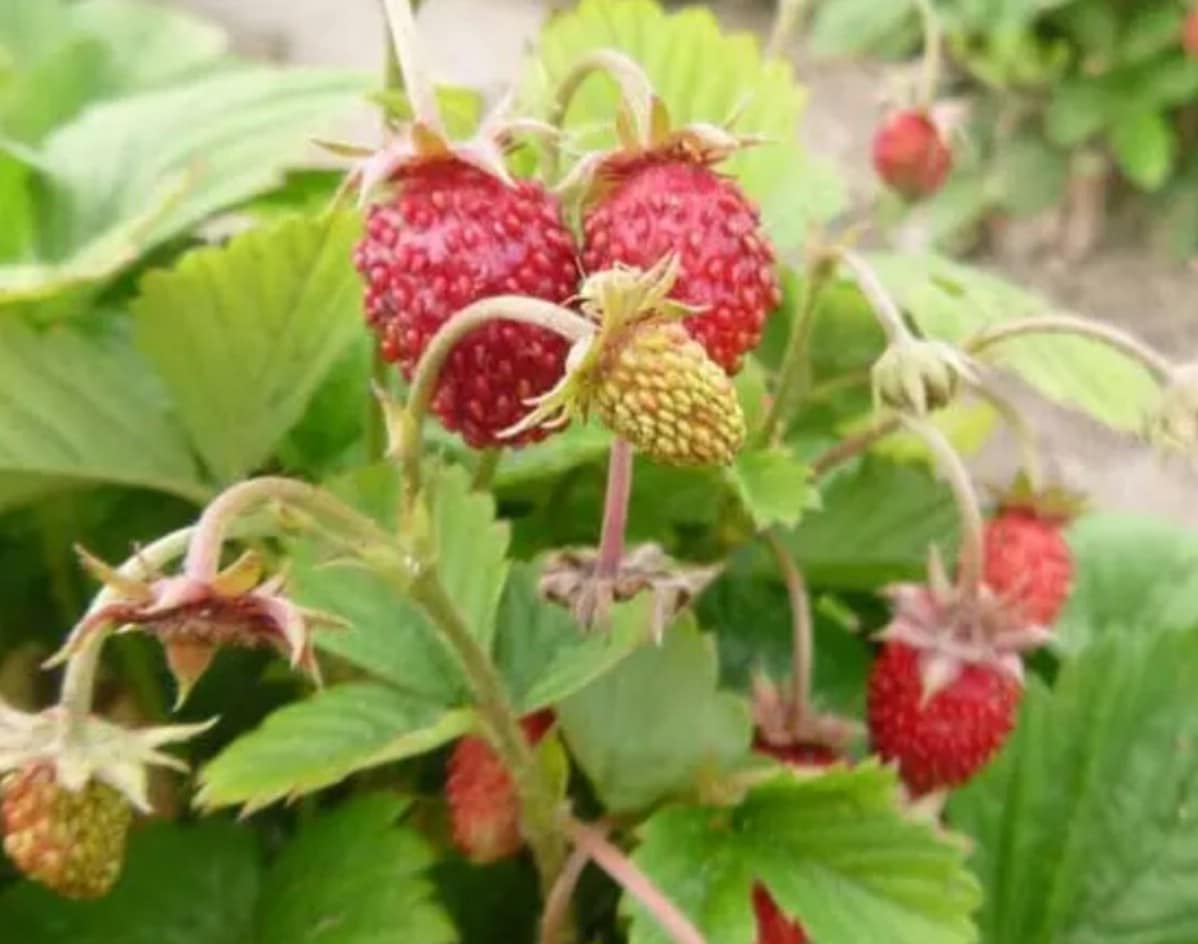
(773, 927)
(943, 740)
(450, 235)
(1028, 562)
(1189, 33)
(483, 805)
(664, 203)
(911, 154)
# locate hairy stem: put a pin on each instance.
(203, 555)
(555, 918)
(803, 645)
(1029, 448)
(786, 21)
(884, 307)
(531, 311)
(970, 557)
(794, 377)
(635, 89)
(415, 81)
(1157, 364)
(615, 510)
(929, 76)
(502, 724)
(635, 882)
(852, 446)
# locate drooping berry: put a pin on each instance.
(71, 842)
(668, 202)
(483, 805)
(911, 154)
(659, 390)
(940, 739)
(451, 234)
(1029, 562)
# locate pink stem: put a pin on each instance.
(615, 510)
(557, 905)
(626, 874)
(803, 652)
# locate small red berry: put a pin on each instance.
(942, 740)
(1028, 562)
(449, 235)
(483, 805)
(799, 754)
(665, 203)
(911, 154)
(1189, 34)
(773, 927)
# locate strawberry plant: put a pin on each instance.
(547, 525)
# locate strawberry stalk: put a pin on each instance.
(929, 75)
(852, 446)
(555, 918)
(1121, 341)
(970, 556)
(803, 641)
(890, 319)
(415, 80)
(615, 510)
(1023, 432)
(786, 21)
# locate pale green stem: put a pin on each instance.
(1022, 431)
(803, 641)
(484, 472)
(415, 82)
(933, 52)
(786, 20)
(852, 446)
(883, 306)
(1107, 334)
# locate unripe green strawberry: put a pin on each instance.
(71, 842)
(659, 390)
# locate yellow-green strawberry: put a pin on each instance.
(659, 390)
(73, 842)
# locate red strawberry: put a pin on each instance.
(1028, 562)
(452, 234)
(797, 755)
(911, 154)
(942, 739)
(1189, 34)
(71, 842)
(670, 201)
(483, 805)
(773, 927)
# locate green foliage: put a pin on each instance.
(1082, 824)
(835, 851)
(352, 877)
(655, 726)
(773, 485)
(244, 334)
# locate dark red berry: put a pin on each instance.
(450, 235)
(911, 154)
(773, 927)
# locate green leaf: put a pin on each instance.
(835, 851)
(702, 75)
(243, 334)
(656, 724)
(183, 885)
(128, 174)
(76, 410)
(1079, 108)
(1144, 145)
(1082, 824)
(353, 877)
(953, 301)
(1131, 575)
(773, 485)
(314, 743)
(875, 524)
(579, 445)
(855, 27)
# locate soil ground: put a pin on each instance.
(479, 42)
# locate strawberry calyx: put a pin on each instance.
(797, 735)
(1053, 503)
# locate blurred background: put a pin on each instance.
(1081, 240)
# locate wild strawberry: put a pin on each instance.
(1029, 562)
(773, 927)
(911, 154)
(942, 740)
(448, 235)
(73, 842)
(483, 805)
(1189, 33)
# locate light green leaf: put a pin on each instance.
(1131, 575)
(1078, 109)
(581, 444)
(243, 334)
(855, 27)
(183, 885)
(702, 75)
(773, 485)
(1083, 823)
(953, 301)
(128, 174)
(17, 234)
(317, 742)
(834, 851)
(76, 409)
(652, 727)
(353, 877)
(1144, 145)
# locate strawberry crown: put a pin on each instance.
(1052, 503)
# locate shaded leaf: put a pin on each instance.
(1144, 145)
(773, 485)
